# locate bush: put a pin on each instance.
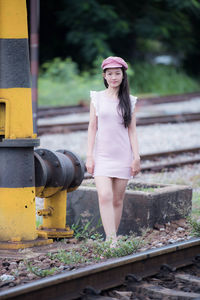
(61, 83)
(161, 80)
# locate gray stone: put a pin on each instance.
(144, 206)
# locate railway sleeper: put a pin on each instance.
(192, 282)
(161, 293)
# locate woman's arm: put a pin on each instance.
(92, 128)
(134, 145)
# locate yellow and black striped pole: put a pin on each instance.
(17, 140)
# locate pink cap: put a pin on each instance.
(114, 62)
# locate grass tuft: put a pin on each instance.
(40, 272)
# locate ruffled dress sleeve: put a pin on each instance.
(133, 102)
(93, 97)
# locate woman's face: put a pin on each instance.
(113, 77)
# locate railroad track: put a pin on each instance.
(111, 274)
(159, 166)
(63, 128)
(47, 112)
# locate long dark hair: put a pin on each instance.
(124, 99)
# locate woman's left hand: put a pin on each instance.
(135, 167)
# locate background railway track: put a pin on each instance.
(46, 112)
(110, 274)
(54, 128)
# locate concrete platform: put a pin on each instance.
(144, 206)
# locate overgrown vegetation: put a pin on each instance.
(61, 82)
(131, 187)
(95, 251)
(84, 230)
(40, 272)
(195, 226)
(196, 204)
(134, 30)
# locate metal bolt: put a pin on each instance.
(42, 152)
(57, 164)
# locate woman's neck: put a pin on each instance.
(112, 92)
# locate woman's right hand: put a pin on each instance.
(90, 165)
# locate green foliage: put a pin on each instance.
(97, 250)
(69, 257)
(87, 29)
(124, 246)
(38, 221)
(195, 203)
(91, 24)
(143, 189)
(40, 272)
(86, 231)
(195, 224)
(61, 83)
(161, 80)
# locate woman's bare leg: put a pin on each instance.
(119, 187)
(105, 195)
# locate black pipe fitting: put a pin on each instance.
(56, 171)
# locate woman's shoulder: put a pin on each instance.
(96, 94)
(133, 98)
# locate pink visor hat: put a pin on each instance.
(114, 62)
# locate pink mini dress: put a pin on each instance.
(112, 150)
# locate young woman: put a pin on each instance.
(112, 155)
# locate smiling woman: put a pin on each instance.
(112, 155)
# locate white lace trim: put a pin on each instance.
(93, 96)
(133, 102)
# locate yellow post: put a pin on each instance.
(54, 216)
(17, 182)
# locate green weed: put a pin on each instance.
(40, 272)
(143, 189)
(195, 226)
(69, 257)
(38, 221)
(196, 203)
(86, 231)
(95, 251)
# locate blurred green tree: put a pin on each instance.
(87, 29)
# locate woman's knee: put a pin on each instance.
(105, 197)
(117, 200)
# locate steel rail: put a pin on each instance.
(151, 156)
(168, 98)
(141, 121)
(162, 119)
(175, 164)
(52, 111)
(112, 273)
